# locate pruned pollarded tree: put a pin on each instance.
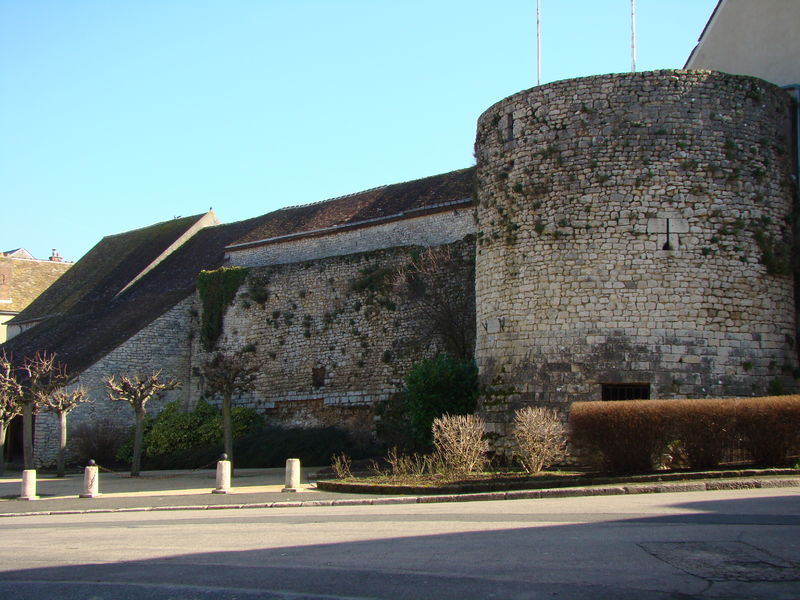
(43, 375)
(61, 402)
(137, 390)
(229, 375)
(10, 402)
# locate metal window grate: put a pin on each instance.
(625, 391)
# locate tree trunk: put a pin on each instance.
(62, 443)
(27, 435)
(227, 428)
(3, 430)
(136, 463)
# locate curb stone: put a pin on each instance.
(436, 499)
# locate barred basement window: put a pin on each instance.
(625, 391)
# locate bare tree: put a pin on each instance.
(437, 280)
(136, 390)
(10, 403)
(229, 375)
(44, 375)
(61, 403)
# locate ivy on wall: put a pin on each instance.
(217, 290)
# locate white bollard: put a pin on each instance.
(91, 481)
(223, 476)
(29, 485)
(292, 475)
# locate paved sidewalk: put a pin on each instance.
(261, 488)
(159, 490)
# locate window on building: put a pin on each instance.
(625, 391)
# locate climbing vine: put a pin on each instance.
(217, 290)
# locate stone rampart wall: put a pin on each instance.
(335, 332)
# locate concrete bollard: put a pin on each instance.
(223, 476)
(91, 481)
(29, 485)
(292, 475)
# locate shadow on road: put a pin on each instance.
(702, 554)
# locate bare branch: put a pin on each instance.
(62, 402)
(10, 391)
(44, 375)
(137, 389)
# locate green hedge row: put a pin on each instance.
(633, 435)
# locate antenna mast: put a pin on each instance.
(633, 36)
(538, 45)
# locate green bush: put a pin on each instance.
(438, 386)
(174, 433)
(392, 427)
(178, 439)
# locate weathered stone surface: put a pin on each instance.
(632, 229)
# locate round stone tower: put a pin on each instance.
(634, 240)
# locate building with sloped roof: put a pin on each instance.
(22, 279)
(131, 304)
(760, 39)
(622, 236)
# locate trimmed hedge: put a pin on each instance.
(633, 435)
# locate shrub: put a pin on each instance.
(703, 429)
(628, 433)
(631, 433)
(438, 386)
(341, 463)
(99, 440)
(188, 438)
(393, 428)
(404, 465)
(769, 428)
(539, 436)
(459, 442)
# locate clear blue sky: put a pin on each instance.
(115, 115)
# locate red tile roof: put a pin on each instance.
(390, 202)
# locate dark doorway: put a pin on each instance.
(13, 448)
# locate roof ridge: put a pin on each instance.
(372, 189)
(129, 231)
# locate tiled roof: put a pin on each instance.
(18, 253)
(93, 309)
(399, 200)
(107, 268)
(100, 320)
(23, 279)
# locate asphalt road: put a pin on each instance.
(728, 544)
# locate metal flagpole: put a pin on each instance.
(633, 36)
(538, 45)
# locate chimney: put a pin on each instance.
(55, 256)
